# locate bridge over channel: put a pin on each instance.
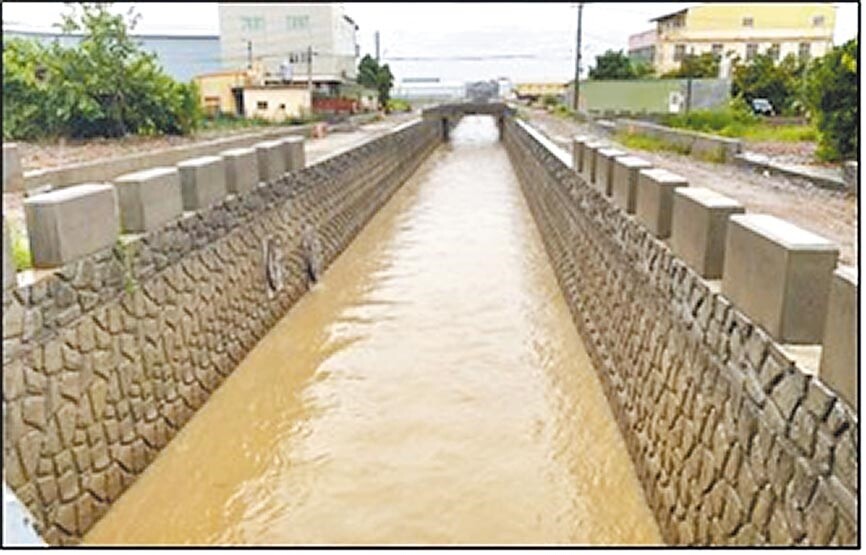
(455, 332)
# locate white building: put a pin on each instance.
(275, 33)
(429, 88)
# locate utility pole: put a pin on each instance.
(577, 59)
(310, 71)
(377, 47)
(249, 54)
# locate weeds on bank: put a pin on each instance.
(648, 143)
(740, 125)
(20, 249)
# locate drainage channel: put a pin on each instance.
(431, 389)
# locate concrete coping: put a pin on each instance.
(661, 175)
(597, 143)
(633, 162)
(611, 151)
(200, 161)
(707, 197)
(784, 232)
(149, 173)
(68, 193)
(292, 139)
(237, 151)
(848, 273)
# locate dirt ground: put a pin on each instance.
(832, 214)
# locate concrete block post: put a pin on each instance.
(589, 150)
(70, 223)
(655, 199)
(13, 175)
(577, 153)
(839, 368)
(148, 199)
(202, 181)
(293, 148)
(624, 187)
(779, 275)
(604, 158)
(242, 169)
(9, 270)
(272, 161)
(699, 224)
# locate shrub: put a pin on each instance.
(549, 100)
(104, 86)
(832, 94)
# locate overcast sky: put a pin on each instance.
(540, 35)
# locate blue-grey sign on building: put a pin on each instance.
(181, 56)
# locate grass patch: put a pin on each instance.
(645, 142)
(739, 125)
(21, 256)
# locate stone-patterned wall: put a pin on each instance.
(732, 442)
(107, 358)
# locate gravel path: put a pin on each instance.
(831, 214)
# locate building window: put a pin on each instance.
(252, 23)
(818, 21)
(262, 105)
(805, 51)
(679, 52)
(717, 50)
(775, 50)
(751, 51)
(748, 22)
(297, 22)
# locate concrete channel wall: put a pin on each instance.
(107, 357)
(732, 441)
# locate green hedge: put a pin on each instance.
(105, 86)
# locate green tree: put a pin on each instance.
(696, 66)
(763, 77)
(103, 86)
(374, 76)
(832, 94)
(612, 65)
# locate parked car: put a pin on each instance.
(762, 107)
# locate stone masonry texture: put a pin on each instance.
(732, 442)
(105, 359)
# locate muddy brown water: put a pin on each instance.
(431, 389)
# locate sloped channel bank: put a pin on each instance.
(107, 358)
(733, 443)
(430, 389)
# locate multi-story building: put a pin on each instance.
(744, 30)
(642, 46)
(281, 36)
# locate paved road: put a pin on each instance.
(831, 214)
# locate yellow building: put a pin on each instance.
(743, 30)
(537, 90)
(220, 92)
(277, 102)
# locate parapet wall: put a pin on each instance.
(700, 145)
(106, 358)
(732, 441)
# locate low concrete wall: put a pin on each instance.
(732, 441)
(106, 170)
(107, 357)
(699, 145)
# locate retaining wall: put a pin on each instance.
(106, 358)
(700, 145)
(733, 442)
